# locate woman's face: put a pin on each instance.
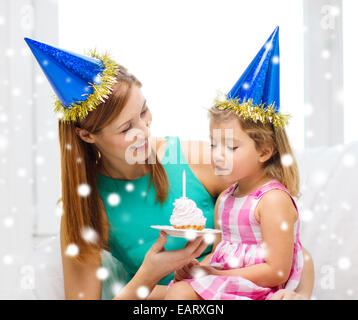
(126, 137)
(234, 155)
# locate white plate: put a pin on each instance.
(190, 234)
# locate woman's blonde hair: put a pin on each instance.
(266, 135)
(79, 165)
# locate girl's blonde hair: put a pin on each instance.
(79, 165)
(266, 135)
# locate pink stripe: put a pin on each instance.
(211, 290)
(228, 205)
(243, 221)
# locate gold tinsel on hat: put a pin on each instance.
(247, 110)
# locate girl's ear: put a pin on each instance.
(265, 154)
(85, 135)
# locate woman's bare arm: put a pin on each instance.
(305, 286)
(80, 280)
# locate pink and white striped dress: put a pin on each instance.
(242, 246)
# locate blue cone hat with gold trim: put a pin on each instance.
(80, 82)
(256, 95)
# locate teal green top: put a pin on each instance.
(131, 211)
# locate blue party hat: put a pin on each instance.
(80, 82)
(256, 95)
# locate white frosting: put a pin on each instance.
(186, 212)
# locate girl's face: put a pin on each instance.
(234, 155)
(126, 138)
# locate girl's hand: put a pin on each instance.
(200, 271)
(284, 294)
(186, 271)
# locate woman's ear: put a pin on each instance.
(85, 135)
(265, 154)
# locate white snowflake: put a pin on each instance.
(142, 292)
(102, 273)
(345, 206)
(21, 172)
(344, 263)
(9, 222)
(319, 178)
(286, 160)
(268, 45)
(326, 54)
(3, 143)
(8, 259)
(349, 160)
(190, 234)
(39, 160)
(113, 199)
(280, 273)
(84, 190)
(117, 287)
(89, 235)
(233, 262)
(306, 215)
(308, 109)
(284, 226)
(72, 250)
(129, 187)
(15, 92)
(39, 79)
(328, 75)
(350, 292)
(209, 238)
(97, 78)
(246, 86)
(198, 272)
(3, 118)
(309, 134)
(50, 135)
(9, 52)
(275, 60)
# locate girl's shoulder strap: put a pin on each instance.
(272, 185)
(230, 189)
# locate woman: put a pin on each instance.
(117, 181)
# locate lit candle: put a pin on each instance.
(184, 184)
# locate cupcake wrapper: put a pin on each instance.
(189, 227)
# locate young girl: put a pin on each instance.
(260, 251)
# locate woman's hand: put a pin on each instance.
(158, 262)
(186, 271)
(284, 294)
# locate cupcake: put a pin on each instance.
(186, 215)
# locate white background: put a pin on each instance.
(184, 51)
